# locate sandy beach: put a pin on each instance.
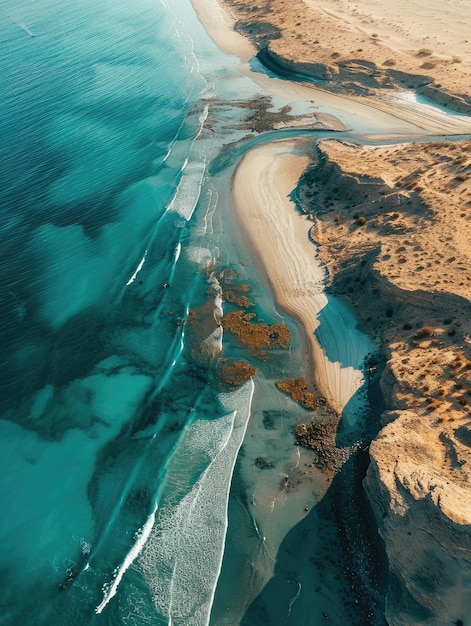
(262, 184)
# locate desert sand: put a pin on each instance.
(365, 48)
(405, 26)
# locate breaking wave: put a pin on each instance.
(182, 558)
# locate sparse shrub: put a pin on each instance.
(361, 220)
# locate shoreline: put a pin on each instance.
(261, 185)
(386, 107)
(218, 23)
(382, 222)
(365, 59)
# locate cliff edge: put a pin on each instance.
(392, 224)
(353, 50)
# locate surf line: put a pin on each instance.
(138, 269)
(293, 600)
(142, 535)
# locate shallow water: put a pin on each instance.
(117, 448)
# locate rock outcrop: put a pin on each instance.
(418, 483)
(403, 267)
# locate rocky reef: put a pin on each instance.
(297, 389)
(206, 323)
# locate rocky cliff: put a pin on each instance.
(418, 483)
(392, 226)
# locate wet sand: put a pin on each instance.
(261, 187)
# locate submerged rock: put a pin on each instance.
(234, 373)
(262, 464)
(255, 335)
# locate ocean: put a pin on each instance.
(128, 476)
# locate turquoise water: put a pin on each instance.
(117, 448)
(100, 175)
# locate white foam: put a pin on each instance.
(141, 537)
(293, 600)
(213, 342)
(189, 189)
(206, 226)
(138, 269)
(202, 119)
(200, 256)
(298, 459)
(218, 312)
(176, 350)
(182, 559)
(176, 256)
(178, 250)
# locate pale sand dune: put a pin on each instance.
(443, 26)
(280, 237)
(373, 117)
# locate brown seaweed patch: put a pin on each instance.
(234, 373)
(254, 335)
(298, 391)
(238, 299)
(241, 288)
